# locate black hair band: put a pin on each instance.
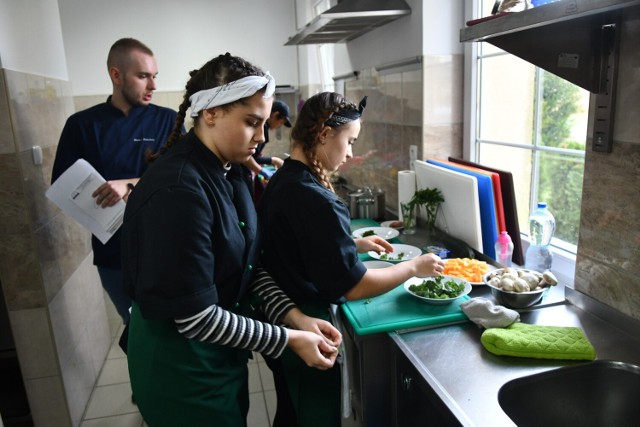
(346, 115)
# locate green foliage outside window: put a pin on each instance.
(561, 175)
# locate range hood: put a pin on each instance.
(349, 19)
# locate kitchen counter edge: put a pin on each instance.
(466, 378)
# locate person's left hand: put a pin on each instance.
(277, 162)
(312, 349)
(373, 243)
(109, 193)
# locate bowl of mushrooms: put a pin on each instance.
(518, 287)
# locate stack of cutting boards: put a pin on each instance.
(479, 203)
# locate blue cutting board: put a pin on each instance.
(488, 219)
(397, 310)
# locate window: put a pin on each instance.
(533, 124)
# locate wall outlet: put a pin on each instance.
(36, 152)
(413, 156)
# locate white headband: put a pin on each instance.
(230, 92)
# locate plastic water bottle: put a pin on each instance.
(504, 249)
(542, 224)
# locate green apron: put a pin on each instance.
(315, 394)
(182, 382)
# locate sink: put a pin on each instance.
(599, 393)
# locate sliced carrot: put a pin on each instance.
(469, 269)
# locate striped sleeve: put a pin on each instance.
(219, 326)
(275, 302)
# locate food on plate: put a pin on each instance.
(436, 288)
(468, 269)
(389, 257)
(520, 280)
(396, 224)
(368, 233)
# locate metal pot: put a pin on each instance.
(367, 203)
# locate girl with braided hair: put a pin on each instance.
(190, 258)
(308, 248)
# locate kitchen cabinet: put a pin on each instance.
(573, 39)
(414, 402)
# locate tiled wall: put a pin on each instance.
(422, 107)
(53, 294)
(608, 264)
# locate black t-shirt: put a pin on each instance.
(189, 234)
(306, 236)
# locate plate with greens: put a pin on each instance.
(400, 253)
(386, 233)
(440, 290)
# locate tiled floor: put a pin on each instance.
(110, 403)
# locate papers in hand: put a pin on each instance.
(72, 192)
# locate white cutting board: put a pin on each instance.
(459, 215)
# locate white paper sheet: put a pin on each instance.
(72, 193)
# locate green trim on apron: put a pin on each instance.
(182, 382)
(315, 394)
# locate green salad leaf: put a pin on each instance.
(437, 288)
(386, 256)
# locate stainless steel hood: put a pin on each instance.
(349, 19)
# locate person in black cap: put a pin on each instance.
(255, 166)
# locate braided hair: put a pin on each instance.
(217, 72)
(313, 117)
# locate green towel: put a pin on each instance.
(540, 342)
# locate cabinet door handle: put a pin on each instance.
(406, 381)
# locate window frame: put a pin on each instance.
(564, 253)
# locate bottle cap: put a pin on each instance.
(504, 237)
(503, 240)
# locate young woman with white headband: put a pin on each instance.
(190, 258)
(308, 248)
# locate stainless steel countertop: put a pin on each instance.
(467, 378)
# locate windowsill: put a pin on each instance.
(564, 263)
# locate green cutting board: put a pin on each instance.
(397, 310)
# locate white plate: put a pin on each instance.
(491, 268)
(436, 301)
(408, 252)
(388, 224)
(376, 264)
(384, 232)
